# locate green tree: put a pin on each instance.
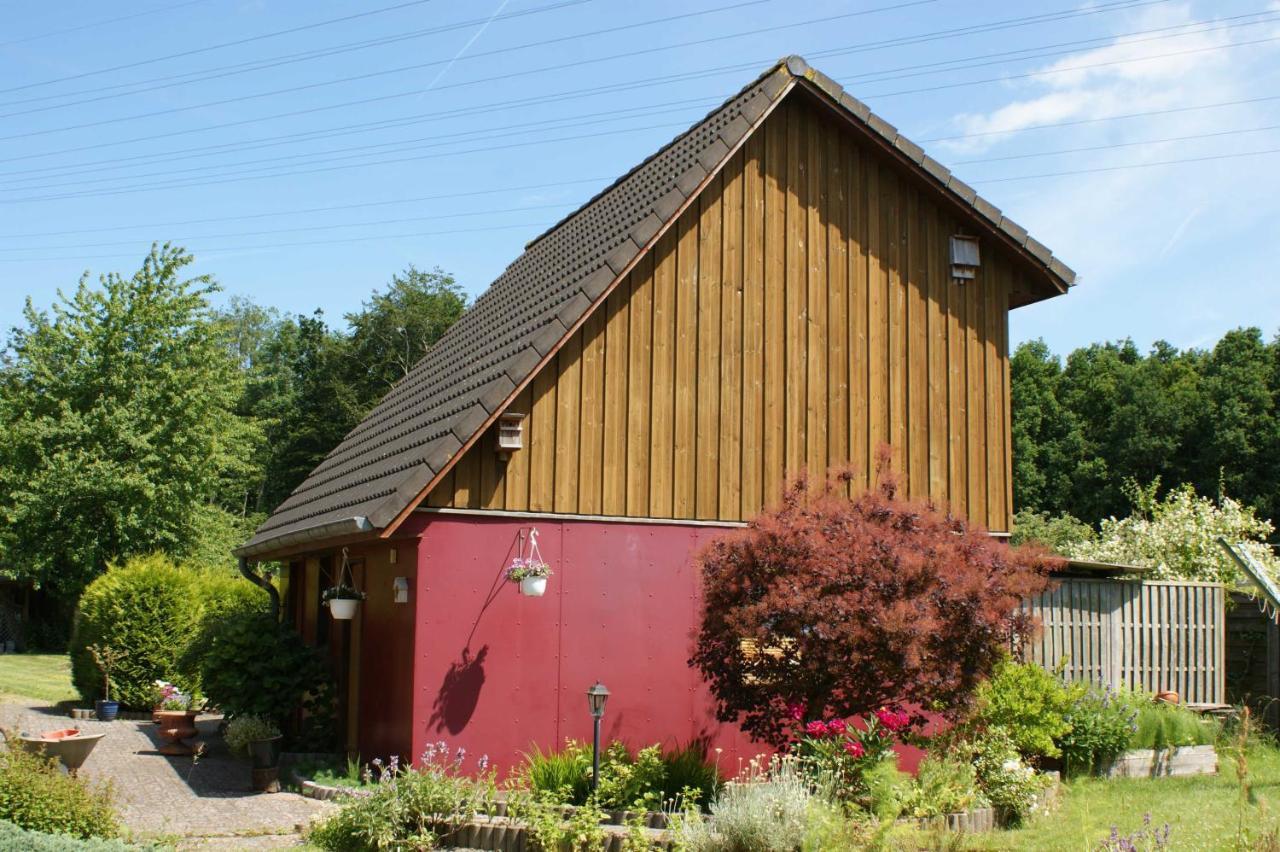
(122, 434)
(393, 330)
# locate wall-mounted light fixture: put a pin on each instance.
(965, 258)
(510, 434)
(400, 585)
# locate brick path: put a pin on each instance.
(207, 801)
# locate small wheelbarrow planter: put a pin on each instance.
(70, 746)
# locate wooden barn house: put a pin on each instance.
(787, 285)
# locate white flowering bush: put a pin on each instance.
(1177, 537)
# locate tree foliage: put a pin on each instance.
(1177, 537)
(1110, 413)
(843, 606)
(121, 424)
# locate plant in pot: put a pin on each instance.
(261, 739)
(531, 573)
(342, 600)
(160, 693)
(177, 720)
(106, 659)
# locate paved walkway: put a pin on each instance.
(206, 802)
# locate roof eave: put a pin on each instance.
(271, 546)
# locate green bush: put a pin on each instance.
(1029, 704)
(1160, 726)
(944, 784)
(250, 666)
(645, 780)
(16, 839)
(36, 794)
(1008, 783)
(1102, 725)
(408, 808)
(151, 611)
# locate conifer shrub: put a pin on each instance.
(151, 611)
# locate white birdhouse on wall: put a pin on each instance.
(510, 434)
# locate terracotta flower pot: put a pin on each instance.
(176, 726)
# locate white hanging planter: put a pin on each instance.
(533, 587)
(343, 609)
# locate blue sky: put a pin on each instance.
(304, 168)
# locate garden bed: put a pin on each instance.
(1164, 763)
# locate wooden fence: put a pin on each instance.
(1148, 635)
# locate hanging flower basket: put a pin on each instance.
(343, 598)
(531, 571)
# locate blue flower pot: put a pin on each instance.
(106, 711)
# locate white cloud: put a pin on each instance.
(1166, 251)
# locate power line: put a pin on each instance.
(290, 90)
(603, 179)
(1113, 145)
(888, 74)
(305, 228)
(210, 48)
(247, 175)
(1008, 23)
(274, 141)
(301, 56)
(324, 242)
(1094, 148)
(1068, 70)
(1079, 121)
(254, 173)
(544, 225)
(103, 23)
(1153, 164)
(438, 141)
(328, 209)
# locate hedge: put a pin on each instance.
(151, 611)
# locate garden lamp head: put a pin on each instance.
(597, 695)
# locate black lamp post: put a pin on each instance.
(596, 697)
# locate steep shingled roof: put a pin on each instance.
(383, 467)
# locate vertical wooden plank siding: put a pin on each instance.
(710, 282)
(799, 314)
(730, 415)
(753, 304)
(1145, 635)
(639, 388)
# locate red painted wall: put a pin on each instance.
(495, 671)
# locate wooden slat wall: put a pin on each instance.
(1154, 635)
(798, 315)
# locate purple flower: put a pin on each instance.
(483, 762)
(462, 753)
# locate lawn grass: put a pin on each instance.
(1203, 813)
(45, 677)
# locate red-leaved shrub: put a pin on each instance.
(844, 606)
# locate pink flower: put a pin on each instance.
(796, 710)
(854, 749)
(837, 726)
(893, 720)
(816, 729)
